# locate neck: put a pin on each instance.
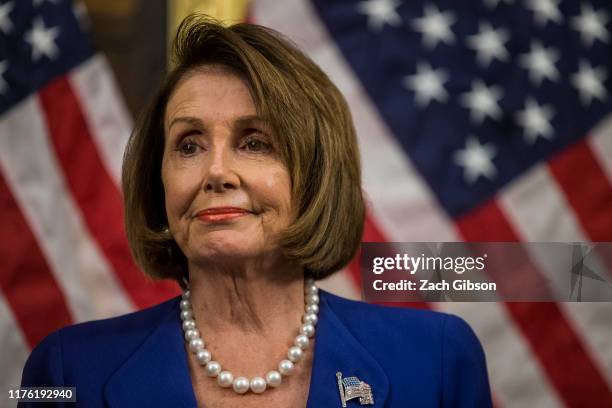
(248, 298)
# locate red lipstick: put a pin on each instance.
(217, 214)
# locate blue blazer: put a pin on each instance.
(410, 358)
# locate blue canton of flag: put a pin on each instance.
(478, 92)
(39, 41)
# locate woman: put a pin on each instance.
(242, 183)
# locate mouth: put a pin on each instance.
(220, 214)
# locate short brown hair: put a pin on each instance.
(317, 142)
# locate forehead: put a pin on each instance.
(210, 92)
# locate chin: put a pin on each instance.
(216, 248)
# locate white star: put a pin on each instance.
(592, 25)
(3, 69)
(489, 44)
(536, 121)
(5, 22)
(589, 82)
(545, 10)
(427, 84)
(482, 102)
(435, 26)
(380, 12)
(540, 62)
(42, 40)
(476, 160)
(493, 3)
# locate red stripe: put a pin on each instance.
(587, 189)
(94, 191)
(558, 348)
(25, 277)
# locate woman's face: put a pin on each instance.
(227, 192)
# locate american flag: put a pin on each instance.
(483, 120)
(353, 388)
(63, 255)
(478, 120)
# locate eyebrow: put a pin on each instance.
(197, 122)
(190, 120)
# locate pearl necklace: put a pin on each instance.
(274, 377)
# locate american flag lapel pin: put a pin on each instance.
(352, 387)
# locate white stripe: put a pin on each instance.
(13, 353)
(516, 379)
(536, 207)
(399, 198)
(600, 141)
(34, 177)
(107, 118)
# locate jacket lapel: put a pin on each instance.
(157, 373)
(337, 350)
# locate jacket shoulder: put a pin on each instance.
(131, 326)
(425, 329)
(434, 345)
(357, 314)
(91, 348)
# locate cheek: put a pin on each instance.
(275, 191)
(179, 190)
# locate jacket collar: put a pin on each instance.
(157, 373)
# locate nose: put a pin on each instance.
(220, 172)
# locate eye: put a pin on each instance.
(188, 147)
(256, 145)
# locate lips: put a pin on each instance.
(216, 214)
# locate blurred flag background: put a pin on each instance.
(478, 120)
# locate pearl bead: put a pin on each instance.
(192, 334)
(311, 289)
(186, 295)
(312, 309)
(312, 299)
(196, 345)
(213, 368)
(307, 330)
(295, 353)
(203, 356)
(258, 385)
(186, 314)
(189, 324)
(241, 385)
(285, 367)
(225, 379)
(185, 304)
(310, 318)
(274, 378)
(301, 341)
